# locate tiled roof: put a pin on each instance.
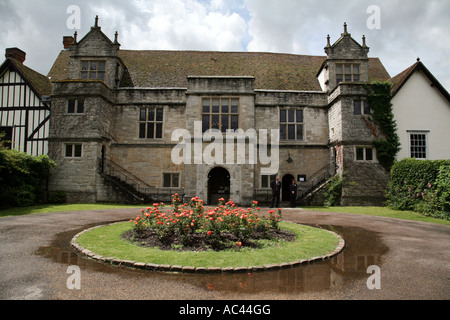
(38, 81)
(377, 72)
(276, 71)
(400, 79)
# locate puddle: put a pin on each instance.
(363, 248)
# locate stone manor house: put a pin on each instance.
(113, 113)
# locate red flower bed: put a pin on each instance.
(191, 224)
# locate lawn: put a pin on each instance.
(381, 212)
(310, 242)
(375, 211)
(63, 208)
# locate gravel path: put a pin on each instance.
(413, 259)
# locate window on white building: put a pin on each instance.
(418, 145)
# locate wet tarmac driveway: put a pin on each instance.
(413, 260)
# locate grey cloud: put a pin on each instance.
(409, 28)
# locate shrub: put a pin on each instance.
(22, 178)
(422, 186)
(334, 192)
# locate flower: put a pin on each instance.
(208, 233)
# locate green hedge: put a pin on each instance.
(22, 178)
(422, 186)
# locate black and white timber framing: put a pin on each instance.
(24, 106)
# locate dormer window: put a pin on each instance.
(347, 72)
(93, 70)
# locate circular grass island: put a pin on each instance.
(107, 244)
(187, 237)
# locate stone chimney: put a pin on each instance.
(67, 41)
(16, 54)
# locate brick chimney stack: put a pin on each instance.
(68, 41)
(16, 54)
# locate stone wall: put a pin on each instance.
(364, 181)
(109, 127)
(78, 176)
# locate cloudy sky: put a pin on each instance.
(397, 31)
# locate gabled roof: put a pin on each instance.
(276, 71)
(399, 80)
(40, 83)
(96, 29)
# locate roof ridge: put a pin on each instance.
(220, 51)
(40, 82)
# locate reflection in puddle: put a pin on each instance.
(363, 248)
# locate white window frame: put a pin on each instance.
(410, 146)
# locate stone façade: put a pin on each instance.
(178, 82)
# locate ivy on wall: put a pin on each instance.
(387, 144)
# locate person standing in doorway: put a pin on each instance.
(293, 193)
(276, 187)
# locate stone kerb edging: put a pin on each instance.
(188, 269)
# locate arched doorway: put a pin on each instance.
(218, 185)
(285, 182)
